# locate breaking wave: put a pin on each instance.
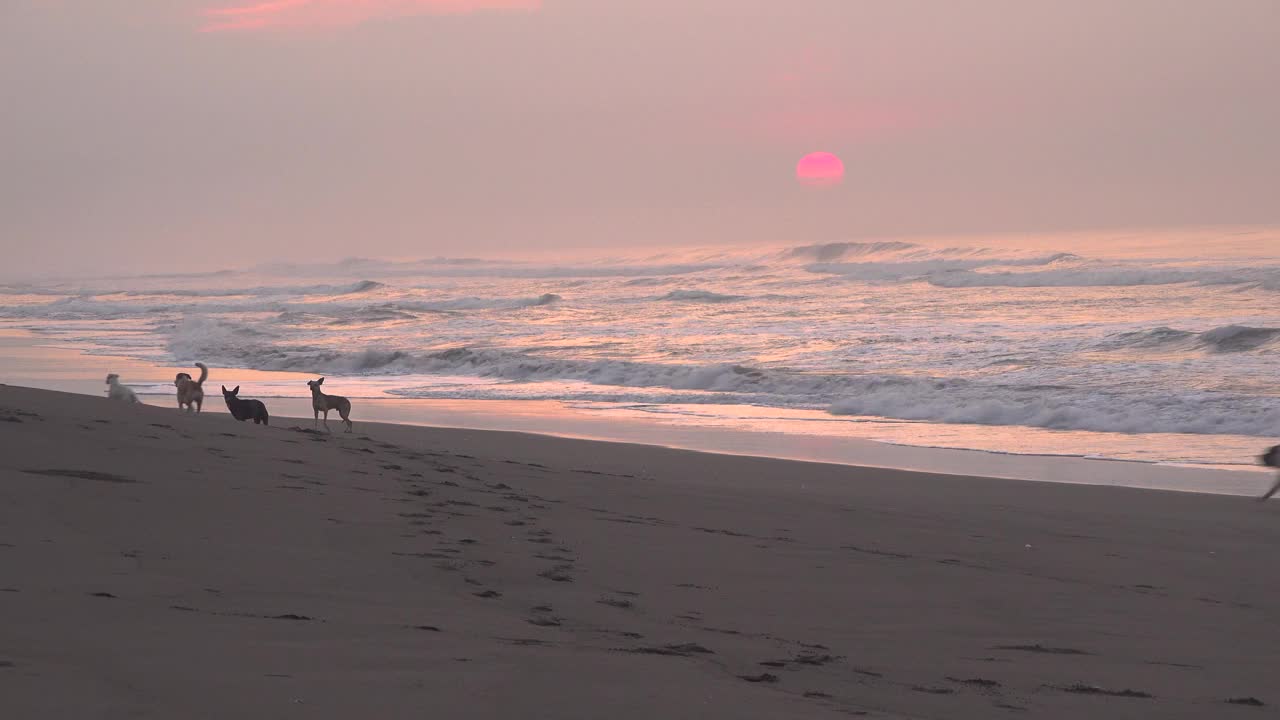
(703, 296)
(342, 305)
(1225, 339)
(915, 331)
(951, 400)
(933, 269)
(1114, 276)
(833, 252)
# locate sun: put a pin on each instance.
(820, 169)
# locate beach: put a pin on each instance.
(159, 564)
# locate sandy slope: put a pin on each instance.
(206, 568)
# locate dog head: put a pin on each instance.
(230, 393)
(112, 378)
(315, 384)
(181, 378)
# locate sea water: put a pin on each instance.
(1158, 346)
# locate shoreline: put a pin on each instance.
(62, 368)
(162, 564)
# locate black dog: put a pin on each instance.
(245, 409)
(1272, 459)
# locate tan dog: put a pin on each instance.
(191, 392)
(324, 403)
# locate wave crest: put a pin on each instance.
(703, 296)
(1224, 339)
(902, 397)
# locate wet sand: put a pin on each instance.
(157, 564)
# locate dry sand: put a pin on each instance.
(161, 565)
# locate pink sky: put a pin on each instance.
(277, 14)
(329, 128)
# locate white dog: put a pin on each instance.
(118, 391)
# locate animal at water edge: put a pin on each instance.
(191, 392)
(116, 391)
(322, 403)
(243, 410)
(1271, 458)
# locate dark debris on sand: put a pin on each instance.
(1082, 689)
(675, 650)
(83, 475)
(1037, 648)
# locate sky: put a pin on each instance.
(188, 134)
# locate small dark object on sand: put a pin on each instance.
(1082, 689)
(84, 475)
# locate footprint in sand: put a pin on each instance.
(674, 650)
(1082, 689)
(1042, 649)
(84, 475)
(932, 690)
(976, 682)
(526, 642)
(559, 573)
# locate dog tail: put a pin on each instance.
(204, 373)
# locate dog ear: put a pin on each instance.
(320, 381)
(224, 389)
(236, 391)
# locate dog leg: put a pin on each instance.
(316, 424)
(326, 421)
(1272, 491)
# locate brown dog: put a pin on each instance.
(191, 392)
(324, 403)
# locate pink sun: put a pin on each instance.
(820, 169)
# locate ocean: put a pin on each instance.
(1154, 346)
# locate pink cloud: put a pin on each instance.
(279, 14)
